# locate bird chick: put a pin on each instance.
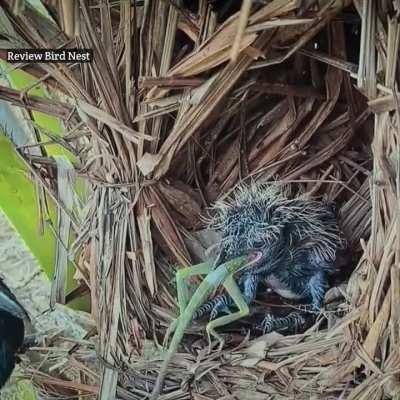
(298, 238)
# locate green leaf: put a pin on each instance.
(18, 199)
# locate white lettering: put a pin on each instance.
(37, 57)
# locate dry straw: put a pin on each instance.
(181, 104)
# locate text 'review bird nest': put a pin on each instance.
(184, 101)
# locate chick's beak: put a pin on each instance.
(254, 258)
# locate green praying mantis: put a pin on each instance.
(223, 274)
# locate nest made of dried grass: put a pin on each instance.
(182, 102)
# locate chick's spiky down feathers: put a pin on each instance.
(259, 215)
(297, 237)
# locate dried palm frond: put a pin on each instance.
(177, 108)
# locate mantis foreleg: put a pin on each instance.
(183, 291)
(234, 291)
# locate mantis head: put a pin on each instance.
(243, 262)
(254, 258)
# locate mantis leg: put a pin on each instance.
(183, 291)
(233, 290)
(248, 284)
(181, 285)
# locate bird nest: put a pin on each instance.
(182, 102)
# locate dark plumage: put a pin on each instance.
(12, 331)
(248, 284)
(299, 240)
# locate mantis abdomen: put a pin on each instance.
(184, 320)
